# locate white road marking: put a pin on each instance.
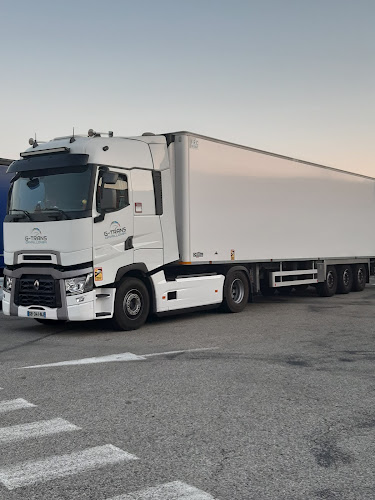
(126, 356)
(15, 404)
(179, 352)
(169, 491)
(111, 358)
(35, 430)
(54, 467)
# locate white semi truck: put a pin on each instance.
(103, 227)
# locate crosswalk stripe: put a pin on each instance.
(35, 429)
(54, 467)
(15, 404)
(168, 491)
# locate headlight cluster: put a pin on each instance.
(8, 284)
(81, 284)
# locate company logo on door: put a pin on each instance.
(36, 237)
(115, 230)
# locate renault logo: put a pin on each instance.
(36, 284)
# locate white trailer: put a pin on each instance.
(109, 227)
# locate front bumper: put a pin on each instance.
(96, 304)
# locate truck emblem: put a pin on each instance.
(36, 285)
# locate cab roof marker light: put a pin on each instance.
(45, 151)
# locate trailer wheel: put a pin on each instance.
(132, 305)
(236, 292)
(329, 286)
(359, 277)
(345, 279)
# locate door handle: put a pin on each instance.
(129, 243)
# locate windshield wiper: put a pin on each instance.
(56, 210)
(23, 211)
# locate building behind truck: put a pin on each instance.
(119, 227)
(4, 188)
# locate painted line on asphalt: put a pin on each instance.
(40, 471)
(126, 356)
(111, 358)
(35, 430)
(179, 352)
(169, 491)
(15, 404)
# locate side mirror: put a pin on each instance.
(110, 178)
(108, 200)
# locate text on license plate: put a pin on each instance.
(37, 314)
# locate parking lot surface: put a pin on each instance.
(274, 403)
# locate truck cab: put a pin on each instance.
(83, 213)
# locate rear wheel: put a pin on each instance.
(132, 305)
(329, 286)
(359, 277)
(344, 278)
(236, 292)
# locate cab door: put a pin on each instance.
(113, 226)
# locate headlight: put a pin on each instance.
(8, 283)
(81, 284)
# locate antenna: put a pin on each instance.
(72, 139)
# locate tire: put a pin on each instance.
(50, 322)
(344, 278)
(236, 292)
(329, 286)
(132, 305)
(359, 277)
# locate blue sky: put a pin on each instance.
(296, 77)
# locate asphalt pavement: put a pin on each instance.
(274, 403)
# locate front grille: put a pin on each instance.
(37, 291)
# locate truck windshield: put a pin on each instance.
(51, 194)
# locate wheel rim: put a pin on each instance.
(346, 277)
(132, 304)
(360, 276)
(330, 279)
(237, 291)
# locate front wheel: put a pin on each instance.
(236, 292)
(132, 305)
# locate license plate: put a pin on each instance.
(36, 314)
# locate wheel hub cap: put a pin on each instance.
(237, 291)
(132, 303)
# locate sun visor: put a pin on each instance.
(48, 161)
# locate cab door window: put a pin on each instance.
(121, 192)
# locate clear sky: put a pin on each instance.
(295, 77)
